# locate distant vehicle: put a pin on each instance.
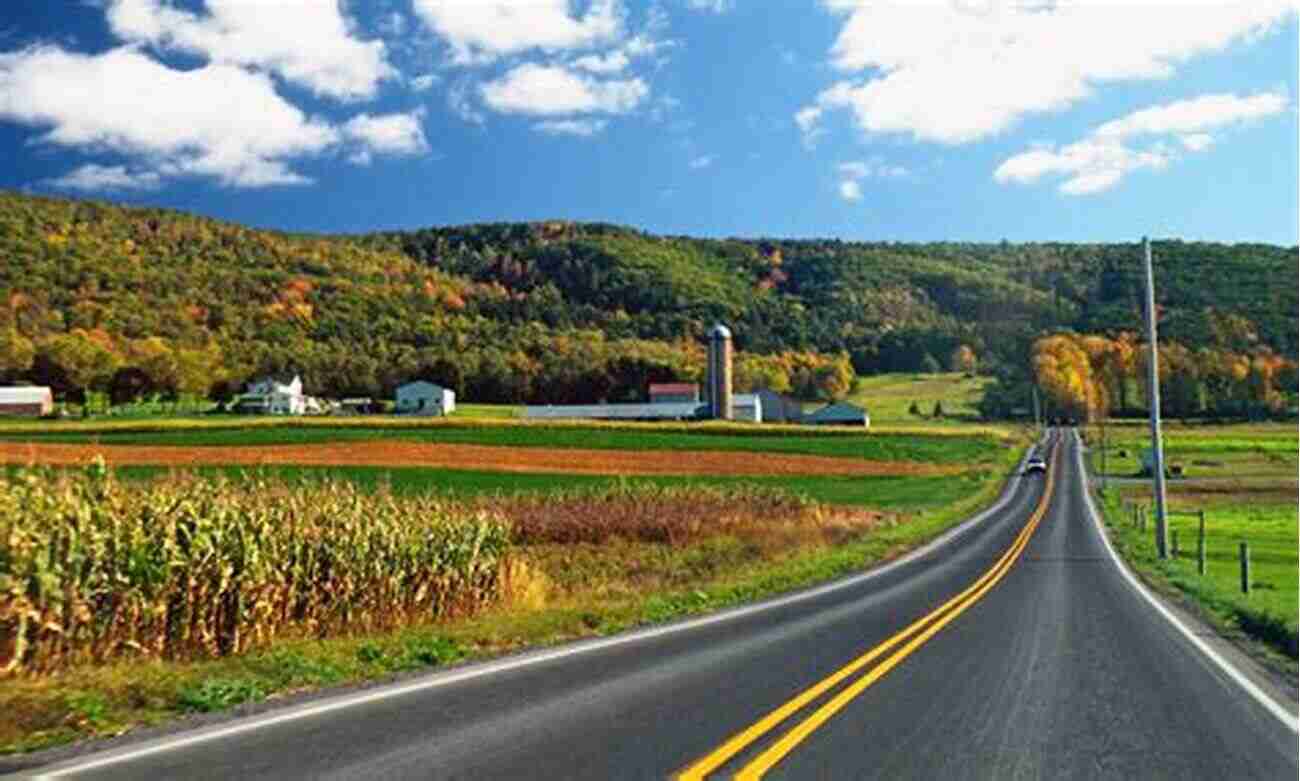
(1035, 464)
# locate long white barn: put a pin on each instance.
(746, 407)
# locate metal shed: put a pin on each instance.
(778, 408)
(424, 398)
(32, 401)
(841, 414)
(663, 411)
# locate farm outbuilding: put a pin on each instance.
(746, 407)
(424, 398)
(674, 393)
(841, 414)
(778, 408)
(32, 401)
(662, 411)
(275, 396)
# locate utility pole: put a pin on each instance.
(1103, 452)
(1038, 423)
(1153, 401)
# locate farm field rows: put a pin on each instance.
(952, 446)
(756, 512)
(473, 457)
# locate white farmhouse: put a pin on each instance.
(276, 396)
(424, 398)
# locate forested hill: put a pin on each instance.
(559, 311)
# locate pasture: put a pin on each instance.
(1256, 450)
(889, 397)
(1245, 479)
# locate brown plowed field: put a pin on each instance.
(478, 457)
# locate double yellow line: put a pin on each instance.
(919, 631)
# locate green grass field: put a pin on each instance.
(890, 493)
(487, 411)
(976, 448)
(1258, 450)
(887, 397)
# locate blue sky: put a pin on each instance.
(976, 120)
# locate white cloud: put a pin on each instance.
(481, 31)
(1091, 165)
(808, 117)
(571, 127)
(563, 58)
(387, 134)
(424, 82)
(613, 62)
(1195, 115)
(307, 42)
(462, 105)
(1102, 160)
(94, 178)
(850, 190)
(218, 120)
(876, 167)
(392, 25)
(965, 71)
(715, 6)
(554, 90)
(703, 161)
(854, 170)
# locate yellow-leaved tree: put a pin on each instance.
(1064, 373)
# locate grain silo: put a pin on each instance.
(720, 372)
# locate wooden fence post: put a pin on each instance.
(1200, 545)
(1245, 568)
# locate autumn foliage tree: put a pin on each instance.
(1063, 371)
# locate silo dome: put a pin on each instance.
(719, 331)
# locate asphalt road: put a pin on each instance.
(1048, 665)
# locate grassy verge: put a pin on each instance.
(1245, 499)
(1268, 614)
(577, 590)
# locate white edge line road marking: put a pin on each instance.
(436, 680)
(1287, 718)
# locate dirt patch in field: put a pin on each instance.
(471, 457)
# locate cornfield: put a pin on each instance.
(93, 569)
